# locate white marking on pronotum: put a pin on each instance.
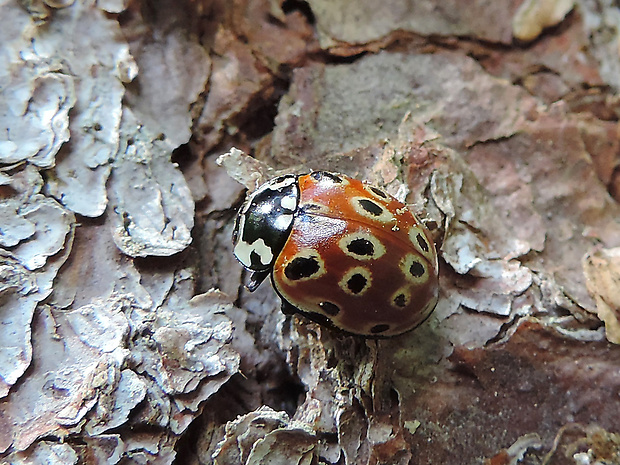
(240, 226)
(276, 185)
(289, 202)
(243, 252)
(246, 206)
(283, 222)
(273, 185)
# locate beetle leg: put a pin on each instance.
(256, 278)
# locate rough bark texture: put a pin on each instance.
(126, 335)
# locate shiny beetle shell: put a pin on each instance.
(340, 251)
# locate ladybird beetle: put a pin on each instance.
(340, 251)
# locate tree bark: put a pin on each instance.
(130, 132)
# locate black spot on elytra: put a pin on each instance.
(400, 300)
(361, 246)
(422, 241)
(370, 207)
(330, 308)
(416, 269)
(311, 207)
(320, 175)
(379, 329)
(379, 192)
(357, 283)
(301, 267)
